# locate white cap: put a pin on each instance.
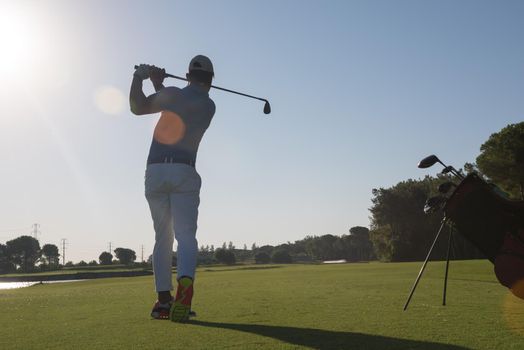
(202, 63)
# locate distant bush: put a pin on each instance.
(262, 258)
(225, 256)
(81, 263)
(93, 263)
(69, 264)
(281, 257)
(143, 264)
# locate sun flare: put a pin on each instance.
(20, 42)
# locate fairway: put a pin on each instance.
(348, 306)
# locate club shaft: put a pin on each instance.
(424, 265)
(219, 88)
(453, 170)
(167, 75)
(447, 266)
(457, 174)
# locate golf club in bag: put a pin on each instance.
(482, 214)
(267, 106)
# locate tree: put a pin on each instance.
(281, 256)
(326, 247)
(381, 239)
(81, 263)
(6, 266)
(125, 256)
(93, 263)
(400, 209)
(401, 231)
(24, 251)
(361, 243)
(105, 258)
(225, 256)
(268, 249)
(262, 258)
(502, 159)
(51, 255)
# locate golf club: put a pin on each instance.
(267, 106)
(432, 159)
(447, 170)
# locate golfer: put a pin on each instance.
(172, 184)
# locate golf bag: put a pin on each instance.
(494, 224)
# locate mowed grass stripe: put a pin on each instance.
(348, 306)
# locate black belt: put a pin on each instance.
(171, 160)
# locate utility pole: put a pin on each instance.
(142, 248)
(64, 240)
(110, 247)
(35, 231)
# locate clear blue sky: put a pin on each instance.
(360, 91)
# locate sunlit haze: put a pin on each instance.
(360, 91)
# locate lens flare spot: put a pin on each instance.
(110, 100)
(513, 310)
(518, 289)
(170, 128)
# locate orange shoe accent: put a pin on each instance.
(182, 305)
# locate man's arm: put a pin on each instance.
(139, 103)
(157, 76)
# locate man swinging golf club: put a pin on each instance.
(172, 184)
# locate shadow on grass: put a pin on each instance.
(329, 340)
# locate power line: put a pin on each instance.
(35, 230)
(64, 240)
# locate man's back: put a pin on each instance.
(186, 115)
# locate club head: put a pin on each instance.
(447, 170)
(445, 187)
(428, 161)
(433, 204)
(451, 170)
(267, 108)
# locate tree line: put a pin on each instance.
(24, 254)
(399, 229)
(355, 246)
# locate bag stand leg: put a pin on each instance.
(424, 265)
(447, 266)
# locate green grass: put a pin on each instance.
(350, 306)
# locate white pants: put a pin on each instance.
(173, 193)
